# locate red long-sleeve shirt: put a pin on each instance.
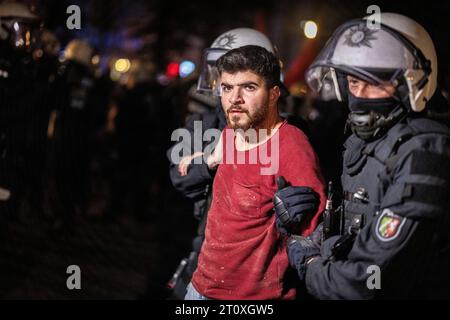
(243, 255)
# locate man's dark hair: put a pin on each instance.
(251, 58)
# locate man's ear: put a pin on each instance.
(274, 95)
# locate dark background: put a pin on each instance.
(172, 24)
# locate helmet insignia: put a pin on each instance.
(360, 35)
(225, 41)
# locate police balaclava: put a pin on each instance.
(370, 119)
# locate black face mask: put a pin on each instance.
(369, 119)
(382, 106)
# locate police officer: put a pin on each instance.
(73, 134)
(24, 110)
(393, 241)
(140, 132)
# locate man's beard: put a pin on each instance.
(252, 121)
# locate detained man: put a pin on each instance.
(244, 254)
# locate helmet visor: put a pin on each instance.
(372, 55)
(209, 76)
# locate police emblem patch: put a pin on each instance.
(389, 225)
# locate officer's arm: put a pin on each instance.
(193, 185)
(398, 240)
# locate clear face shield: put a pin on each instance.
(208, 81)
(22, 35)
(376, 56)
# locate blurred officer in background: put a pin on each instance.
(141, 133)
(24, 110)
(73, 133)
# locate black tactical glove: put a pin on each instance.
(317, 235)
(300, 250)
(291, 204)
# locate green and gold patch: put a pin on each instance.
(389, 225)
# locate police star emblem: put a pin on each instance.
(225, 41)
(360, 35)
(389, 225)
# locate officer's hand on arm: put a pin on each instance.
(186, 162)
(216, 157)
(291, 204)
(213, 162)
(301, 252)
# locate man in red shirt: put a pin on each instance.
(244, 254)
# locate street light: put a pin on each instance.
(310, 29)
(122, 65)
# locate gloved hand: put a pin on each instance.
(317, 235)
(300, 250)
(291, 204)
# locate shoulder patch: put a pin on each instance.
(389, 225)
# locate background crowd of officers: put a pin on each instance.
(73, 143)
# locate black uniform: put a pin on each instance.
(396, 192)
(141, 133)
(25, 103)
(73, 137)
